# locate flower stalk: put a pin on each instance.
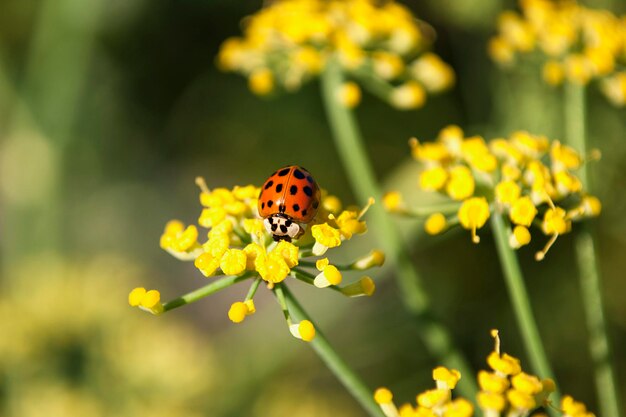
(588, 268)
(361, 176)
(521, 302)
(333, 361)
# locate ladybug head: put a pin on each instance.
(282, 227)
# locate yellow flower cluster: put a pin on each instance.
(291, 41)
(238, 245)
(504, 390)
(523, 176)
(430, 403)
(576, 43)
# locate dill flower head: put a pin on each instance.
(380, 44)
(574, 43)
(230, 242)
(505, 390)
(529, 178)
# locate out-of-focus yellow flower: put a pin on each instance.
(289, 42)
(523, 177)
(577, 44)
(349, 94)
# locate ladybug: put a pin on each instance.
(288, 201)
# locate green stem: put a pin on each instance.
(521, 302)
(352, 382)
(202, 292)
(348, 140)
(588, 268)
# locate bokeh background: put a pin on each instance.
(109, 109)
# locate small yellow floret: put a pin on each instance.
(252, 251)
(555, 222)
(435, 224)
(372, 259)
(233, 262)
(261, 82)
(520, 237)
(520, 400)
(505, 364)
(434, 74)
(491, 401)
(591, 205)
(433, 398)
(272, 267)
(523, 211)
(410, 95)
(491, 382)
(329, 276)
(349, 94)
(461, 184)
(473, 214)
(433, 179)
(136, 296)
(393, 201)
(207, 264)
(325, 237)
(528, 384)
(303, 330)
(383, 396)
(459, 408)
(553, 73)
(238, 311)
(446, 378)
(332, 204)
(288, 251)
(507, 192)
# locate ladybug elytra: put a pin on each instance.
(288, 201)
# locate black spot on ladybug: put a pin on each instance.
(270, 203)
(293, 190)
(298, 174)
(307, 190)
(282, 208)
(283, 172)
(309, 179)
(288, 223)
(274, 226)
(279, 188)
(316, 204)
(263, 205)
(296, 207)
(304, 212)
(269, 184)
(283, 228)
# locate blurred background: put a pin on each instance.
(109, 109)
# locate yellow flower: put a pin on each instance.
(349, 95)
(393, 202)
(614, 88)
(330, 275)
(233, 262)
(501, 51)
(491, 401)
(383, 396)
(325, 237)
(374, 258)
(507, 192)
(433, 179)
(553, 73)
(207, 264)
(446, 378)
(520, 237)
(461, 183)
(523, 211)
(434, 74)
(435, 224)
(239, 310)
(504, 364)
(578, 69)
(387, 65)
(459, 408)
(528, 384)
(473, 214)
(433, 398)
(147, 300)
(303, 330)
(288, 251)
(252, 251)
(520, 400)
(272, 267)
(261, 82)
(555, 222)
(410, 95)
(349, 224)
(491, 382)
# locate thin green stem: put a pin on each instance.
(202, 292)
(348, 140)
(588, 268)
(521, 302)
(337, 366)
(253, 288)
(280, 297)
